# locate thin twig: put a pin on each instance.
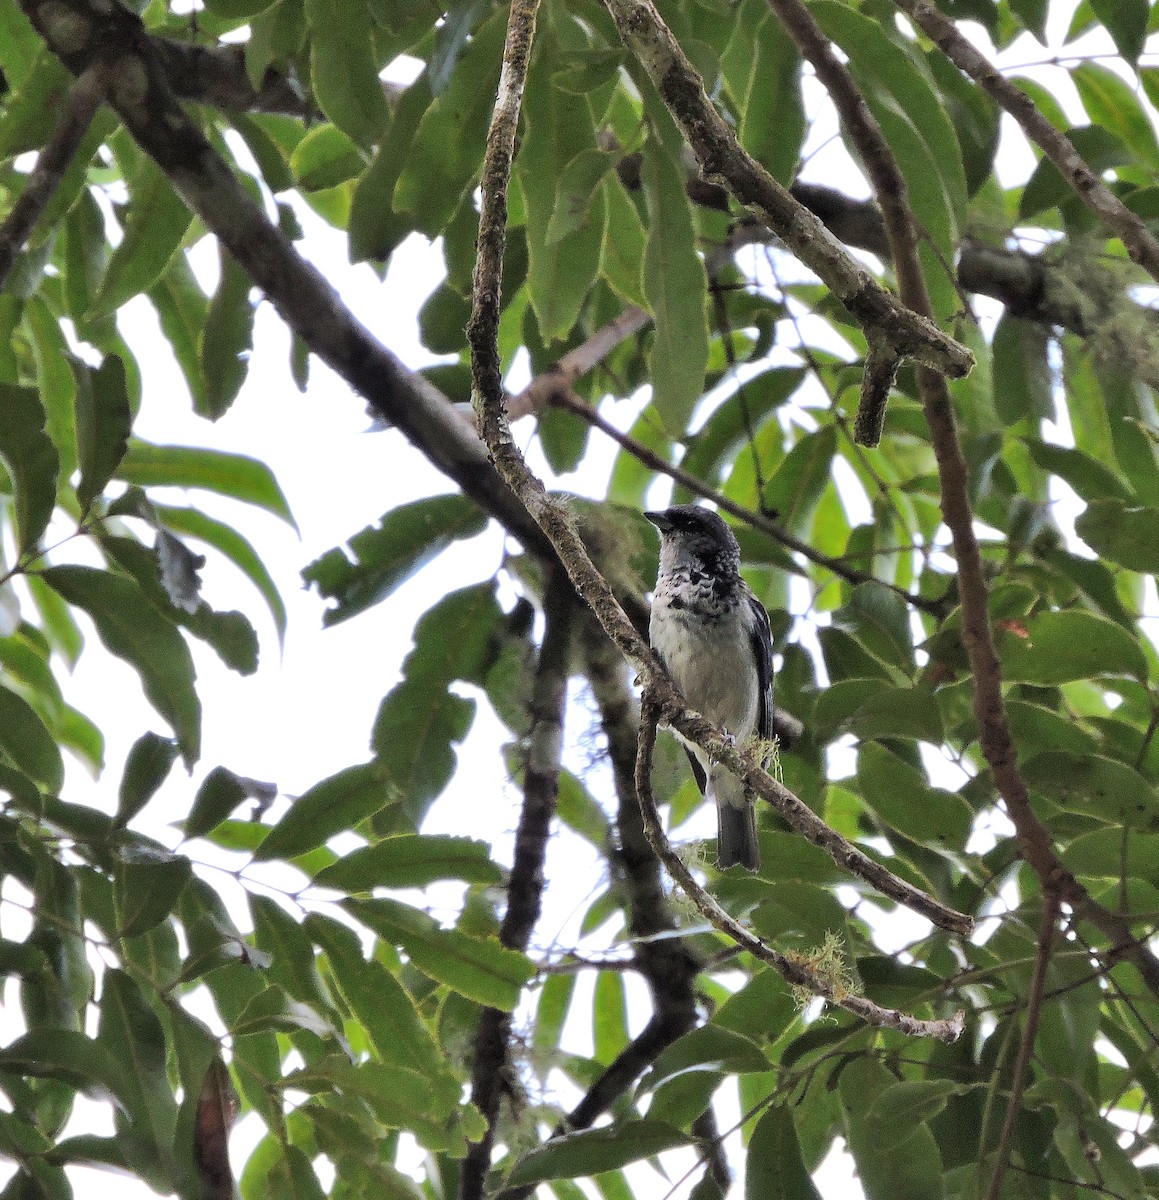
(568, 400)
(80, 107)
(1085, 183)
(795, 971)
(1026, 1048)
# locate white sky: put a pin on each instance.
(308, 713)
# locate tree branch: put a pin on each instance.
(796, 972)
(86, 32)
(491, 1067)
(667, 963)
(79, 109)
(1090, 189)
(977, 636)
(569, 401)
(721, 157)
(1026, 1048)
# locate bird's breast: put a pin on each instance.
(709, 655)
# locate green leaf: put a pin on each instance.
(156, 226)
(1091, 479)
(386, 555)
(135, 1040)
(149, 883)
(234, 475)
(54, 379)
(577, 186)
(237, 549)
(181, 307)
(869, 709)
(590, 1152)
(899, 794)
(1025, 386)
(675, 286)
(63, 1054)
(762, 70)
(146, 768)
(412, 860)
(344, 71)
(1126, 21)
(375, 228)
(1104, 787)
(32, 461)
(332, 806)
(1121, 532)
(774, 1169)
(220, 793)
(226, 339)
(908, 1167)
(400, 1036)
(104, 420)
(324, 158)
(444, 154)
(796, 486)
(479, 968)
(1073, 644)
(27, 743)
(132, 629)
(1112, 103)
(557, 130)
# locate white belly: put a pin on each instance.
(711, 663)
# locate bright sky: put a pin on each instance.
(308, 713)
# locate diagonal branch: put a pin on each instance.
(1090, 189)
(84, 33)
(568, 400)
(796, 971)
(997, 743)
(721, 156)
(491, 1066)
(79, 109)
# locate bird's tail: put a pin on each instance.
(736, 837)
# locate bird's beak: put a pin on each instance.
(660, 520)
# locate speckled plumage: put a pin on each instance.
(712, 634)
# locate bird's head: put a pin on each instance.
(695, 537)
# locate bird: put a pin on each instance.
(713, 637)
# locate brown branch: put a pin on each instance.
(491, 1066)
(977, 636)
(79, 109)
(795, 971)
(667, 963)
(721, 157)
(217, 75)
(1026, 1048)
(880, 371)
(1090, 189)
(568, 400)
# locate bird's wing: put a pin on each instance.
(761, 635)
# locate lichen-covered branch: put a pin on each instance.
(721, 157)
(977, 635)
(795, 971)
(491, 1065)
(76, 116)
(1084, 182)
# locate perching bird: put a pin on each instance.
(712, 635)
